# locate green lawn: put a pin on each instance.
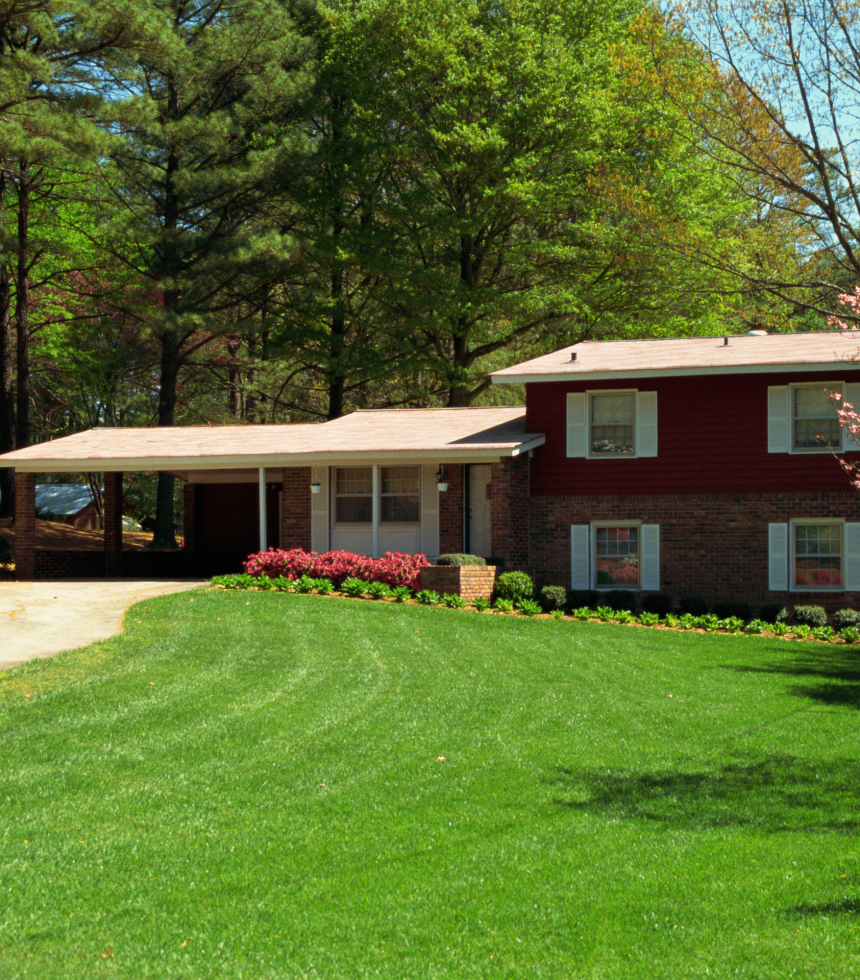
(253, 785)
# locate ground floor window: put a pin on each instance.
(817, 556)
(400, 494)
(616, 551)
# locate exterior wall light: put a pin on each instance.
(441, 479)
(316, 488)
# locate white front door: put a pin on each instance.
(479, 510)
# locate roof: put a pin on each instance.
(744, 354)
(430, 434)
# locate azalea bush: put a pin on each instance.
(392, 569)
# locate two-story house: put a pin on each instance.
(698, 466)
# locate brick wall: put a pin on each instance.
(189, 497)
(468, 581)
(296, 531)
(509, 496)
(711, 545)
(97, 564)
(451, 513)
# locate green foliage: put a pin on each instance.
(850, 634)
(606, 614)
(619, 599)
(504, 605)
(671, 621)
(583, 598)
(557, 614)
(687, 621)
(481, 604)
(452, 601)
(755, 626)
(733, 624)
(378, 590)
(354, 587)
(800, 631)
(822, 633)
(773, 612)
(305, 584)
(846, 617)
(709, 622)
(401, 593)
(514, 586)
(649, 618)
(582, 613)
(459, 559)
(528, 607)
(427, 597)
(809, 616)
(323, 586)
(553, 597)
(779, 629)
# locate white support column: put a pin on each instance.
(376, 510)
(263, 543)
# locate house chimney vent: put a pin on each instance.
(757, 333)
(725, 341)
(573, 355)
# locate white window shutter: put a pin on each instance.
(577, 424)
(649, 557)
(579, 553)
(777, 550)
(429, 512)
(319, 510)
(852, 557)
(646, 423)
(778, 419)
(850, 396)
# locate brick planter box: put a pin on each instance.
(468, 581)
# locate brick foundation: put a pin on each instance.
(468, 581)
(25, 526)
(714, 545)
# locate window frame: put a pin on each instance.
(595, 526)
(366, 524)
(383, 495)
(335, 495)
(793, 524)
(792, 417)
(589, 454)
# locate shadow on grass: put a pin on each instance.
(850, 906)
(775, 794)
(837, 666)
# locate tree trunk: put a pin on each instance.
(7, 394)
(337, 327)
(22, 303)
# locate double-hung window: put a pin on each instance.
(400, 495)
(801, 418)
(808, 555)
(615, 555)
(612, 424)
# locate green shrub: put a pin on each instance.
(606, 614)
(582, 599)
(734, 624)
(800, 632)
(481, 604)
(323, 586)
(687, 621)
(649, 618)
(709, 622)
(695, 605)
(456, 559)
(582, 613)
(733, 609)
(619, 600)
(670, 621)
(514, 586)
(353, 586)
(557, 613)
(773, 612)
(822, 632)
(657, 602)
(504, 605)
(427, 597)
(378, 590)
(552, 597)
(846, 617)
(401, 593)
(756, 626)
(809, 616)
(528, 607)
(850, 634)
(624, 616)
(453, 601)
(779, 629)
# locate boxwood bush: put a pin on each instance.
(844, 618)
(695, 605)
(657, 602)
(733, 608)
(457, 559)
(582, 598)
(514, 586)
(773, 612)
(809, 616)
(621, 600)
(552, 597)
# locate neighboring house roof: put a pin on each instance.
(744, 354)
(432, 434)
(62, 499)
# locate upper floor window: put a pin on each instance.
(815, 427)
(612, 424)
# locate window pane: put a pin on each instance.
(400, 479)
(617, 556)
(818, 555)
(612, 409)
(400, 510)
(815, 422)
(354, 510)
(355, 479)
(812, 403)
(612, 424)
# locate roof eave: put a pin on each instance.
(580, 375)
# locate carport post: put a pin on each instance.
(113, 523)
(25, 526)
(263, 543)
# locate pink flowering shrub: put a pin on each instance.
(393, 568)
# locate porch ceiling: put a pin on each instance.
(447, 435)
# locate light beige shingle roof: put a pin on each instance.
(444, 434)
(598, 360)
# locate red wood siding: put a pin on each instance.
(712, 438)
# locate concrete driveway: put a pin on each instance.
(39, 619)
